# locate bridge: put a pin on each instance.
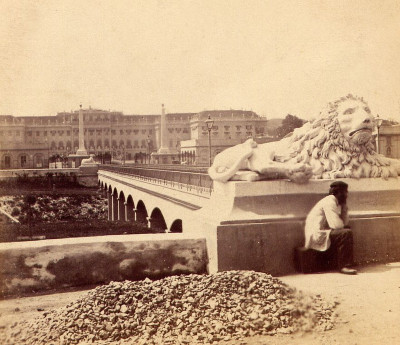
(249, 225)
(157, 196)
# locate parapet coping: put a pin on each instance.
(278, 187)
(288, 218)
(103, 239)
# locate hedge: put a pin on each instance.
(11, 232)
(46, 182)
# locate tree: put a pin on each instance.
(289, 123)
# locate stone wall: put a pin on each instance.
(53, 264)
(257, 225)
(269, 246)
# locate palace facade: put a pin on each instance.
(33, 141)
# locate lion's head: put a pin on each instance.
(340, 143)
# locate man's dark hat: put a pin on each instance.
(339, 184)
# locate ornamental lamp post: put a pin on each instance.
(378, 125)
(209, 123)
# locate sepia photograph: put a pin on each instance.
(220, 172)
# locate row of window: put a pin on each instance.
(238, 127)
(100, 144)
(114, 132)
(68, 133)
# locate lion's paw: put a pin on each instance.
(300, 167)
(300, 173)
(248, 147)
(246, 175)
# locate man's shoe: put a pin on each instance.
(346, 270)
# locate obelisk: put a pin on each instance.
(163, 133)
(81, 150)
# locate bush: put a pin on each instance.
(38, 182)
(30, 199)
(15, 212)
(49, 208)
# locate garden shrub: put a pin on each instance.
(15, 212)
(45, 182)
(61, 216)
(50, 208)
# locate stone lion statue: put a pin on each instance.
(338, 144)
(88, 161)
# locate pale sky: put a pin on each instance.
(273, 57)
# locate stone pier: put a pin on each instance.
(257, 225)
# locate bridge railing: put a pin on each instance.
(188, 179)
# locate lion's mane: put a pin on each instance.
(321, 145)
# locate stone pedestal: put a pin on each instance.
(164, 158)
(87, 175)
(257, 225)
(74, 160)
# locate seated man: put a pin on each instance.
(324, 229)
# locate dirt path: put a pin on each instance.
(368, 313)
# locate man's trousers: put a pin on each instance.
(340, 252)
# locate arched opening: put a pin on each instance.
(141, 213)
(157, 220)
(109, 201)
(38, 160)
(115, 205)
(23, 161)
(130, 209)
(121, 207)
(176, 226)
(7, 162)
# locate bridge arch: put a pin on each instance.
(115, 204)
(121, 207)
(141, 213)
(157, 220)
(108, 191)
(130, 209)
(176, 226)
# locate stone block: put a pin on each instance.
(310, 261)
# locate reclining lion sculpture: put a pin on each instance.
(338, 144)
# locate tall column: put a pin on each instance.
(81, 150)
(163, 132)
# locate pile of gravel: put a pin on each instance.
(180, 309)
